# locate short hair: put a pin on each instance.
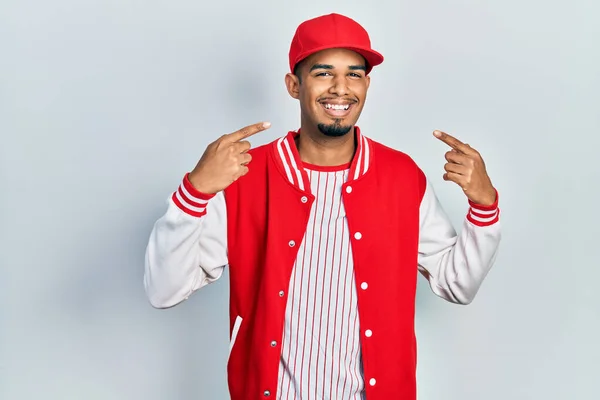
(297, 70)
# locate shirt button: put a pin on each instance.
(372, 382)
(273, 343)
(364, 285)
(348, 189)
(267, 393)
(281, 293)
(292, 243)
(304, 199)
(368, 333)
(357, 235)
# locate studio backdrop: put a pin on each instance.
(104, 105)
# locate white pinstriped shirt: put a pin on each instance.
(320, 356)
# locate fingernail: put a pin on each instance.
(266, 124)
(437, 133)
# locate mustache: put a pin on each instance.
(336, 98)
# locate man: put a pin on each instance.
(324, 231)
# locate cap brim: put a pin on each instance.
(372, 57)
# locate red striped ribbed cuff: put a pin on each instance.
(481, 215)
(189, 199)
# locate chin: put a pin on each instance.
(336, 129)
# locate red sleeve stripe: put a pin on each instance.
(190, 200)
(483, 214)
(176, 199)
(483, 220)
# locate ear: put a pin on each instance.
(368, 78)
(293, 85)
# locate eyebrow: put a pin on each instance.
(321, 66)
(329, 66)
(358, 67)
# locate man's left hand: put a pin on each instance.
(466, 168)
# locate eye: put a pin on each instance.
(355, 75)
(322, 73)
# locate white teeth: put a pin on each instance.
(337, 106)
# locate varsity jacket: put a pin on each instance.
(397, 229)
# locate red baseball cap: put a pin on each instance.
(328, 32)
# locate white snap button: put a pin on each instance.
(348, 189)
(281, 293)
(364, 285)
(267, 393)
(292, 243)
(304, 199)
(357, 235)
(368, 333)
(273, 343)
(372, 382)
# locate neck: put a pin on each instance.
(318, 149)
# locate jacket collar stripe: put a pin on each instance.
(291, 166)
(294, 165)
(367, 154)
(359, 155)
(284, 161)
(363, 157)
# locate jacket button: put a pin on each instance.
(368, 333)
(348, 189)
(304, 199)
(267, 393)
(372, 382)
(364, 285)
(281, 293)
(357, 235)
(273, 343)
(292, 243)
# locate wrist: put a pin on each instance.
(198, 184)
(487, 201)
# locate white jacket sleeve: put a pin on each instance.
(187, 248)
(456, 265)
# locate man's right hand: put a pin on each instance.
(225, 160)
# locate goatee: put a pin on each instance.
(335, 129)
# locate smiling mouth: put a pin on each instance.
(336, 109)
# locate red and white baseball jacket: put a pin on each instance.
(396, 228)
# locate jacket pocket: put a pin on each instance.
(234, 332)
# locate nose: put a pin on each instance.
(339, 86)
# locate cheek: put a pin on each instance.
(359, 90)
(309, 99)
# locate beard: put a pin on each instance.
(334, 130)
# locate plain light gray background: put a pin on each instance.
(105, 104)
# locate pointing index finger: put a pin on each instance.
(248, 131)
(452, 142)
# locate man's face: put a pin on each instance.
(332, 88)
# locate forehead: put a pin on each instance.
(336, 58)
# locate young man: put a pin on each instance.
(324, 231)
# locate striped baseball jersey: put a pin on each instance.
(320, 356)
